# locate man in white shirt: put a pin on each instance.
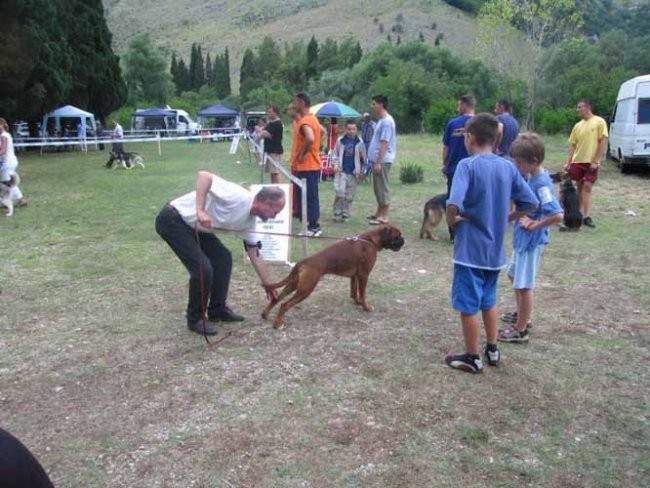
(118, 133)
(189, 223)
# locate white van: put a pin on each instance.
(184, 123)
(629, 129)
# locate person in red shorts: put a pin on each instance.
(588, 143)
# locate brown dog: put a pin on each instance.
(434, 211)
(354, 258)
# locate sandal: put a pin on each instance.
(378, 222)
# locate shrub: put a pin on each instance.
(555, 120)
(411, 173)
(438, 114)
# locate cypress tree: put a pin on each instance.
(208, 70)
(183, 83)
(198, 77)
(226, 75)
(312, 58)
(192, 68)
(247, 74)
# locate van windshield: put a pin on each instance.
(644, 111)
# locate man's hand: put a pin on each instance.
(336, 168)
(594, 166)
(271, 293)
(204, 219)
(376, 168)
(443, 170)
(456, 219)
(567, 166)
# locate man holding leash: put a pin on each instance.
(188, 225)
(588, 144)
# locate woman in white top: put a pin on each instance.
(9, 161)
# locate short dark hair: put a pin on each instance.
(275, 109)
(270, 193)
(528, 147)
(350, 122)
(484, 127)
(305, 98)
(469, 100)
(505, 104)
(382, 100)
(586, 101)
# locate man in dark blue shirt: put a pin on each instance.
(453, 141)
(508, 128)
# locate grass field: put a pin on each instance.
(100, 377)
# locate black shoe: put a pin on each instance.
(465, 362)
(225, 314)
(493, 357)
(588, 222)
(203, 327)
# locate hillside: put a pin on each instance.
(176, 24)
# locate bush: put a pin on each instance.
(555, 120)
(438, 114)
(411, 173)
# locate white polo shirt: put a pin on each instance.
(227, 204)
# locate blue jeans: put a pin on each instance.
(208, 256)
(313, 205)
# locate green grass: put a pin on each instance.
(101, 379)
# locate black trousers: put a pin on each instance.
(207, 257)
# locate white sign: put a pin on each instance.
(233, 144)
(275, 247)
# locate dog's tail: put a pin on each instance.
(14, 179)
(280, 284)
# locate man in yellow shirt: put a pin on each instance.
(588, 143)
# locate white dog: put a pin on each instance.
(5, 192)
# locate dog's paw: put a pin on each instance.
(278, 325)
(367, 307)
(265, 315)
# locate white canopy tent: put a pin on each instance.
(69, 112)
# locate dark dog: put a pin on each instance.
(353, 258)
(434, 211)
(128, 160)
(568, 201)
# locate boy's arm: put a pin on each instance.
(453, 216)
(445, 159)
(531, 225)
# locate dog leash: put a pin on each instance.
(202, 288)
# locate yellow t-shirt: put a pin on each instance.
(585, 136)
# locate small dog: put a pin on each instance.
(434, 210)
(353, 258)
(568, 201)
(127, 159)
(5, 193)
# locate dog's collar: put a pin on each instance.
(357, 238)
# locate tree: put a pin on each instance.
(312, 59)
(208, 70)
(247, 73)
(542, 23)
(54, 53)
(146, 75)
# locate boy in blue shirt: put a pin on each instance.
(349, 159)
(531, 232)
(477, 210)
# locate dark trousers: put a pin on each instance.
(313, 205)
(450, 179)
(208, 257)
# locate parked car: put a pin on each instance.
(629, 130)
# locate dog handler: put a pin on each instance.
(188, 225)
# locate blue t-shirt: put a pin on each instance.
(384, 131)
(347, 164)
(454, 139)
(483, 187)
(510, 132)
(524, 240)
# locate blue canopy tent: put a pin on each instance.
(153, 119)
(219, 119)
(69, 112)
